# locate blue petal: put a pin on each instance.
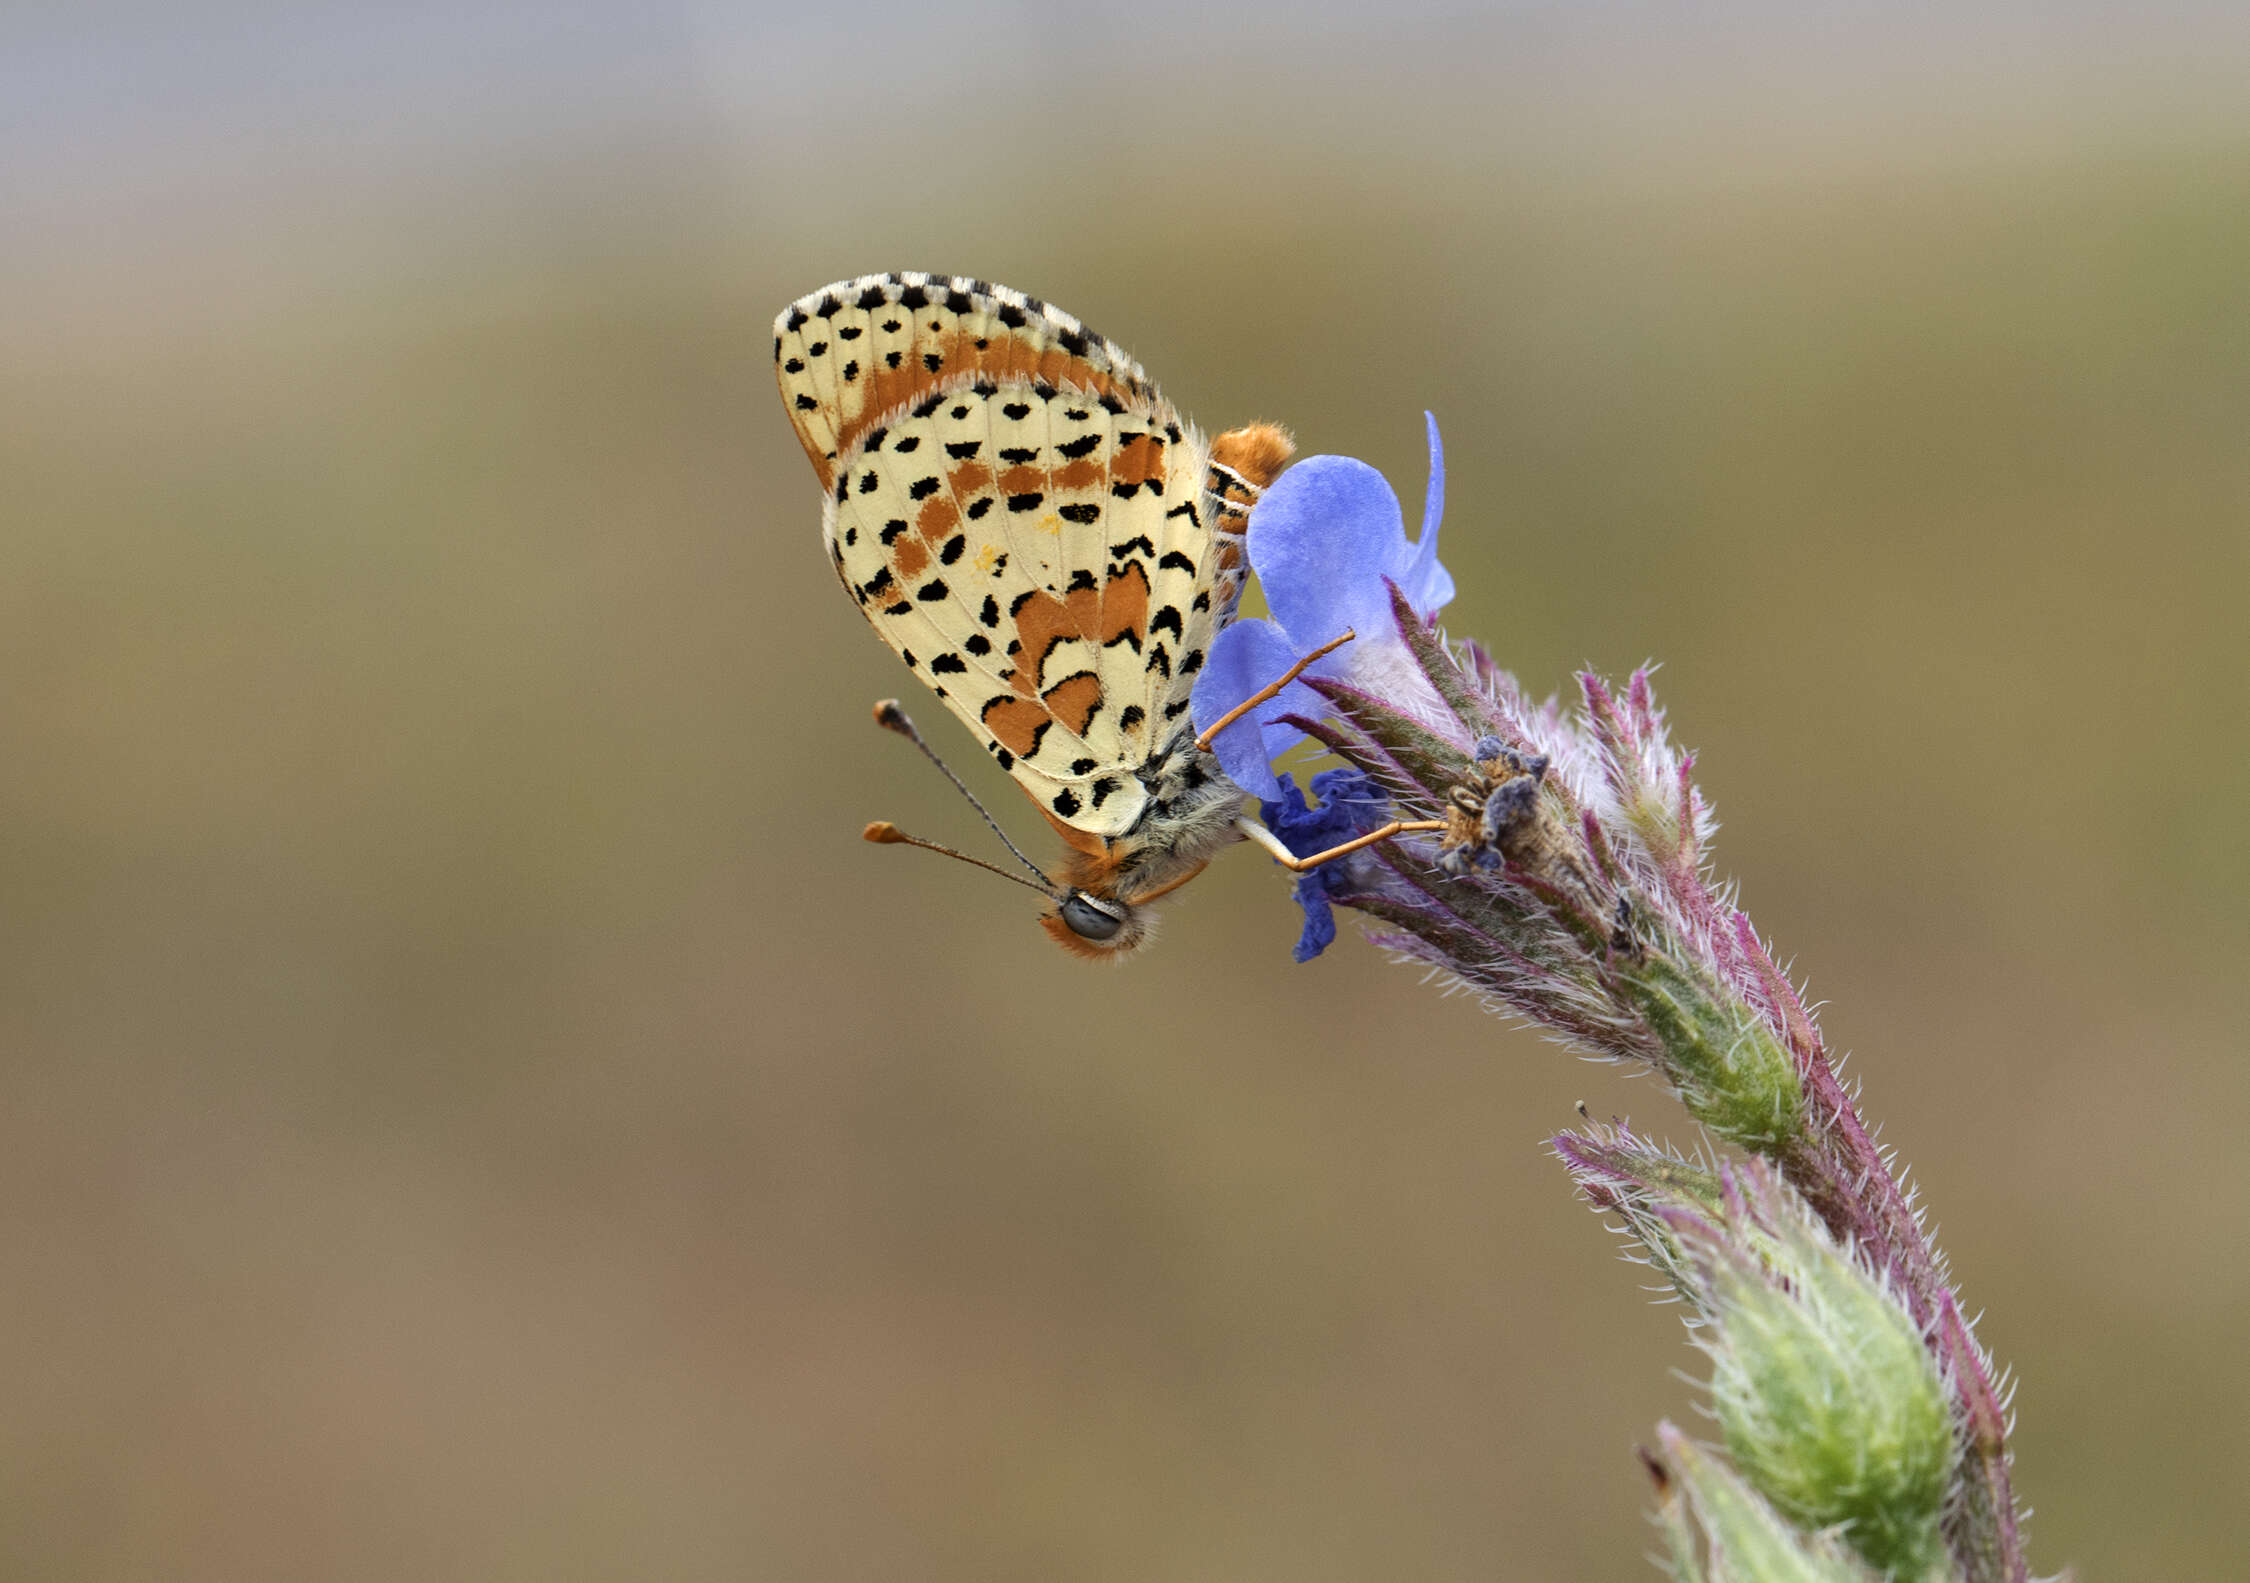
(1244, 658)
(1427, 584)
(1320, 921)
(1354, 798)
(1321, 541)
(1350, 804)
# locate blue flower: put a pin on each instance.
(1325, 541)
(1350, 805)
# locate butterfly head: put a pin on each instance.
(1086, 923)
(1098, 928)
(1087, 913)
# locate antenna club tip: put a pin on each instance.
(891, 716)
(882, 832)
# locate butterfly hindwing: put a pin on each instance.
(1024, 520)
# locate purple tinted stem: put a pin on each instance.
(1841, 1173)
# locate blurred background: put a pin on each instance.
(475, 1109)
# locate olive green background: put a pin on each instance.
(473, 1108)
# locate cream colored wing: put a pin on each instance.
(1021, 516)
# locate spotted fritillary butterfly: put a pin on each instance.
(1049, 546)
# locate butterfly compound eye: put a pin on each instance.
(1091, 919)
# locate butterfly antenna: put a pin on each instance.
(891, 717)
(883, 833)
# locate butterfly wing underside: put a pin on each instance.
(1022, 516)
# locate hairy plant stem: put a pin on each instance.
(1835, 1164)
(1593, 913)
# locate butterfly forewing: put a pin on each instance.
(905, 332)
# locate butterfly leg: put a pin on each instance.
(1259, 835)
(1271, 689)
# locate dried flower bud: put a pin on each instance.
(1494, 815)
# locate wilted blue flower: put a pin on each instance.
(1350, 805)
(1326, 541)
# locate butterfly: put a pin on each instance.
(1051, 548)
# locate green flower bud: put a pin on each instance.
(1746, 1539)
(1829, 1402)
(1732, 1074)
